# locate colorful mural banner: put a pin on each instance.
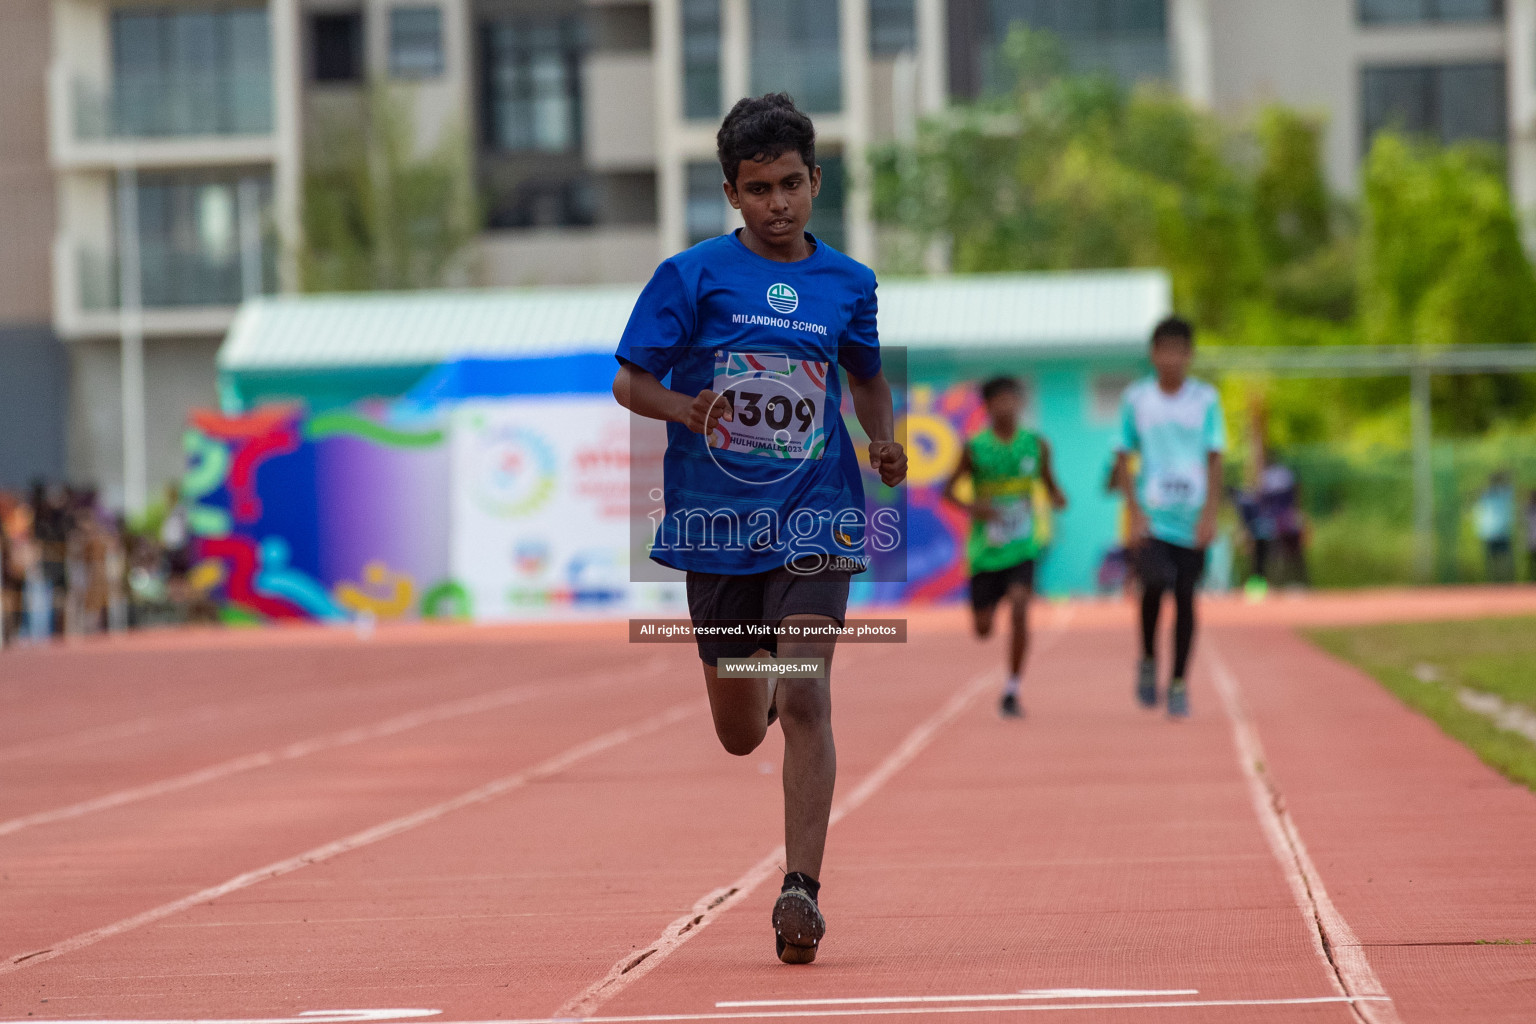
(323, 517)
(488, 508)
(541, 509)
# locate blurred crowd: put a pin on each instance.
(69, 567)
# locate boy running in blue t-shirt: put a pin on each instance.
(764, 505)
(1175, 424)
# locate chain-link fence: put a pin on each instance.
(1359, 512)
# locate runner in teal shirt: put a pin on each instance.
(1174, 423)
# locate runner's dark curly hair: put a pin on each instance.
(764, 128)
(1174, 328)
(1000, 385)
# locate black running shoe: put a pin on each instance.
(797, 926)
(1009, 706)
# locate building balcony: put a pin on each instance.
(196, 121)
(183, 292)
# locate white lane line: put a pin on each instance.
(394, 827)
(1332, 937)
(304, 1017)
(313, 745)
(892, 1011)
(635, 966)
(1034, 993)
(97, 734)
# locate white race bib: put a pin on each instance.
(1013, 518)
(1176, 488)
(778, 403)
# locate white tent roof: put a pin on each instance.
(1065, 311)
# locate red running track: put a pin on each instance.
(516, 824)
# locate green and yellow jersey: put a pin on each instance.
(1006, 473)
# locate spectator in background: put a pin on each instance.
(15, 545)
(1530, 536)
(51, 529)
(1493, 517)
(1271, 513)
(1280, 501)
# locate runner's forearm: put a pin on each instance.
(872, 406)
(1212, 484)
(1127, 483)
(642, 394)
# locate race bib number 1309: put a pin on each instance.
(777, 402)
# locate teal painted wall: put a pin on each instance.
(1082, 435)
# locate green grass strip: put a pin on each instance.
(1425, 663)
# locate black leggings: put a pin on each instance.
(1162, 567)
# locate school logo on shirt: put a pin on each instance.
(783, 298)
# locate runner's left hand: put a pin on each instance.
(1205, 529)
(889, 459)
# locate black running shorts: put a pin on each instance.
(988, 588)
(1164, 566)
(762, 597)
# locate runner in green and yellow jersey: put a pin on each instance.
(1007, 465)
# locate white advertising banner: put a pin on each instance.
(541, 510)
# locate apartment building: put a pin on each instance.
(184, 124)
(33, 368)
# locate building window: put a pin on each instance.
(795, 49)
(706, 212)
(416, 42)
(532, 85)
(1397, 12)
(701, 59)
(191, 72)
(1448, 103)
(828, 210)
(543, 202)
(194, 247)
(1124, 38)
(336, 47)
(892, 27)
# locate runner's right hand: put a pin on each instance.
(1140, 528)
(707, 409)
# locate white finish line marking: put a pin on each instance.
(1332, 937)
(367, 837)
(1036, 993)
(663, 1018)
(711, 905)
(303, 748)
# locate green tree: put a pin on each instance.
(1072, 171)
(378, 213)
(1442, 264)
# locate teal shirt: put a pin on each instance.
(1174, 435)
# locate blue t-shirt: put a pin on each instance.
(1174, 435)
(781, 481)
